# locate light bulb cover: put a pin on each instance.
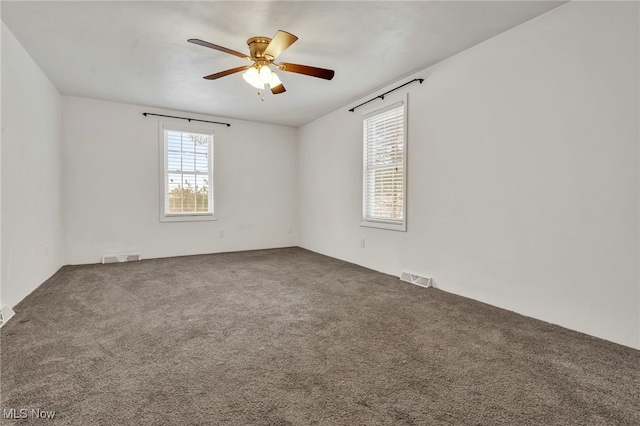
(251, 76)
(275, 80)
(265, 74)
(252, 72)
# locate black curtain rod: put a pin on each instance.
(386, 93)
(185, 118)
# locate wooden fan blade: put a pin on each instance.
(227, 72)
(279, 43)
(307, 70)
(278, 89)
(216, 47)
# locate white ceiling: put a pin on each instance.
(137, 52)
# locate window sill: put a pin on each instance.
(187, 218)
(402, 227)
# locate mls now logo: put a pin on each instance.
(24, 413)
(15, 413)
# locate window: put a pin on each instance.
(384, 168)
(186, 173)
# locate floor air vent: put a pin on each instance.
(117, 258)
(5, 314)
(416, 279)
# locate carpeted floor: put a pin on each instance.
(290, 337)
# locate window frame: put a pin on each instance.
(163, 163)
(395, 225)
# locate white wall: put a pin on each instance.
(111, 197)
(31, 220)
(523, 174)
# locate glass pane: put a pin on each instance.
(174, 198)
(202, 203)
(174, 141)
(188, 193)
(188, 162)
(202, 194)
(202, 165)
(173, 161)
(385, 195)
(202, 145)
(197, 141)
(189, 142)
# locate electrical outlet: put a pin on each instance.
(221, 234)
(362, 242)
(290, 231)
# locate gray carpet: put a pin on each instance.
(290, 337)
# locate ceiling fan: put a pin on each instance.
(262, 52)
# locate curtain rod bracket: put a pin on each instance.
(386, 93)
(186, 118)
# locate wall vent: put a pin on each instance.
(117, 258)
(416, 279)
(5, 314)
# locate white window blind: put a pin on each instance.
(188, 173)
(384, 178)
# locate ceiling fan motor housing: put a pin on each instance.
(257, 46)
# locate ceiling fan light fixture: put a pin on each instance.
(252, 77)
(265, 74)
(275, 80)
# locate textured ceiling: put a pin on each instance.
(137, 52)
